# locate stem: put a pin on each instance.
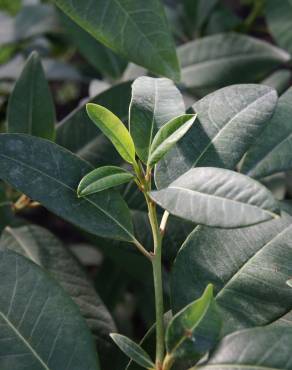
(255, 12)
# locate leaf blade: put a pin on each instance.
(103, 178)
(114, 129)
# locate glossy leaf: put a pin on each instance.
(168, 135)
(50, 175)
(44, 249)
(31, 108)
(155, 101)
(217, 197)
(194, 330)
(98, 55)
(253, 349)
(271, 151)
(133, 351)
(224, 59)
(278, 17)
(78, 133)
(103, 178)
(35, 332)
(238, 112)
(114, 129)
(247, 266)
(137, 30)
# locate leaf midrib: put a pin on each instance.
(26, 343)
(71, 189)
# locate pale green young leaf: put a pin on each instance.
(138, 30)
(217, 197)
(114, 129)
(154, 102)
(133, 351)
(103, 178)
(31, 108)
(194, 330)
(168, 135)
(40, 325)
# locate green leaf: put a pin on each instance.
(114, 129)
(98, 55)
(133, 351)
(247, 266)
(168, 136)
(278, 17)
(31, 108)
(103, 178)
(271, 151)
(253, 349)
(139, 32)
(44, 249)
(77, 132)
(238, 112)
(217, 197)
(41, 328)
(50, 175)
(194, 330)
(220, 60)
(279, 80)
(154, 102)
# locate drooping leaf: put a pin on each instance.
(114, 129)
(271, 151)
(168, 135)
(155, 101)
(31, 108)
(44, 249)
(137, 30)
(133, 351)
(279, 80)
(194, 330)
(78, 133)
(224, 59)
(238, 112)
(50, 175)
(217, 197)
(278, 17)
(252, 349)
(247, 266)
(103, 178)
(41, 328)
(98, 55)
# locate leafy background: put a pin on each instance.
(218, 43)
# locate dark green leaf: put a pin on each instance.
(114, 129)
(31, 108)
(137, 30)
(154, 102)
(103, 178)
(247, 266)
(50, 175)
(271, 151)
(217, 197)
(253, 349)
(40, 246)
(133, 351)
(225, 59)
(238, 112)
(98, 55)
(168, 135)
(278, 16)
(41, 328)
(78, 133)
(194, 330)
